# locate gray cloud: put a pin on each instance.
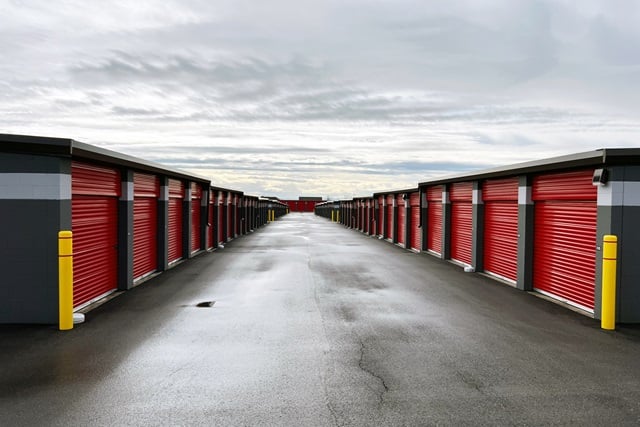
(325, 94)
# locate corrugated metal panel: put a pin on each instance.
(146, 185)
(93, 180)
(176, 197)
(565, 237)
(146, 189)
(94, 222)
(461, 192)
(434, 224)
(176, 188)
(461, 231)
(196, 200)
(380, 215)
(402, 215)
(389, 231)
(211, 225)
(222, 206)
(434, 193)
(565, 186)
(501, 227)
(501, 238)
(230, 217)
(500, 189)
(414, 202)
(461, 221)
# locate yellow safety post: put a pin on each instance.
(337, 216)
(332, 215)
(65, 280)
(609, 265)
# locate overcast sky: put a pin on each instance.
(336, 98)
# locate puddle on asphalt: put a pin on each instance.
(205, 304)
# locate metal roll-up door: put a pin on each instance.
(210, 225)
(401, 219)
(196, 201)
(230, 216)
(500, 198)
(146, 190)
(461, 221)
(176, 197)
(434, 219)
(380, 220)
(564, 254)
(94, 222)
(221, 209)
(389, 233)
(414, 203)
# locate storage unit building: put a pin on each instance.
(130, 219)
(539, 225)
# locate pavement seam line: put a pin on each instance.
(373, 374)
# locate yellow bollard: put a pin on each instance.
(333, 214)
(65, 280)
(609, 266)
(337, 216)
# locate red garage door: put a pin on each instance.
(501, 227)
(414, 202)
(564, 254)
(434, 219)
(380, 220)
(94, 222)
(372, 214)
(402, 215)
(389, 233)
(196, 201)
(211, 226)
(146, 190)
(221, 209)
(461, 221)
(230, 216)
(176, 196)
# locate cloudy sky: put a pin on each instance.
(336, 98)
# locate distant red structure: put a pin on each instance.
(304, 204)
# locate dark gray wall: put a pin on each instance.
(35, 204)
(125, 233)
(524, 279)
(619, 214)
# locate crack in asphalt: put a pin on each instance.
(372, 373)
(470, 382)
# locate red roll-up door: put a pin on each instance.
(230, 216)
(94, 222)
(196, 201)
(380, 221)
(434, 219)
(146, 190)
(176, 196)
(564, 254)
(210, 225)
(500, 198)
(389, 233)
(401, 219)
(461, 221)
(221, 209)
(414, 203)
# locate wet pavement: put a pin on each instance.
(311, 324)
